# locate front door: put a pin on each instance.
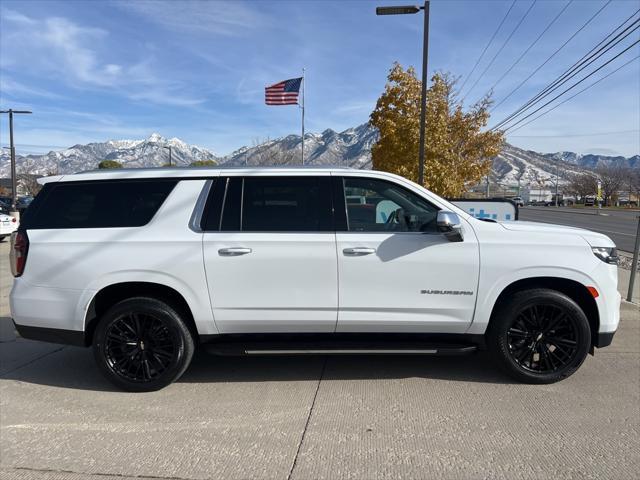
(270, 255)
(396, 272)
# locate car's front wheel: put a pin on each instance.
(539, 336)
(142, 344)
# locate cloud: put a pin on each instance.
(76, 55)
(366, 106)
(227, 18)
(10, 87)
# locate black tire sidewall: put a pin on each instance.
(503, 320)
(172, 320)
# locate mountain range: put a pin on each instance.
(352, 148)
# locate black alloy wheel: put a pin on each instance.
(142, 344)
(140, 347)
(539, 336)
(543, 339)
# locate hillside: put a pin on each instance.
(351, 147)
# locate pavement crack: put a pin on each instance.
(306, 425)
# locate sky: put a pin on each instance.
(196, 70)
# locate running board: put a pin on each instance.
(274, 350)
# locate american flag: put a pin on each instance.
(283, 93)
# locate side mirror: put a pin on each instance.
(449, 224)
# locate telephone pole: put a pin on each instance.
(14, 183)
(169, 147)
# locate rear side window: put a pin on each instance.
(100, 204)
(277, 204)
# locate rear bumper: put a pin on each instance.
(604, 339)
(52, 335)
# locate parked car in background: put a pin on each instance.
(23, 202)
(8, 225)
(144, 265)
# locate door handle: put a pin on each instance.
(358, 251)
(233, 251)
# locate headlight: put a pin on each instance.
(606, 254)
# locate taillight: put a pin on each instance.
(19, 250)
(14, 219)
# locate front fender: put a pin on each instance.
(488, 294)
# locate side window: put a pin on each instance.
(100, 204)
(379, 206)
(278, 204)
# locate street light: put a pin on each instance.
(14, 183)
(169, 147)
(408, 10)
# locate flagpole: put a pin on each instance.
(303, 116)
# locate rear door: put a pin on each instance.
(270, 254)
(396, 272)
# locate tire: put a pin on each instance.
(539, 336)
(142, 344)
(2, 237)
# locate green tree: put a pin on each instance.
(457, 152)
(109, 164)
(203, 163)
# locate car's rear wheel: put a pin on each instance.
(142, 344)
(539, 336)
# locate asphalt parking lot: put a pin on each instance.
(620, 225)
(325, 418)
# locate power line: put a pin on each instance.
(586, 60)
(575, 84)
(532, 45)
(552, 55)
(595, 134)
(578, 93)
(487, 46)
(502, 47)
(576, 68)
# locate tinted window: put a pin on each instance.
(231, 213)
(380, 206)
(101, 204)
(278, 204)
(213, 208)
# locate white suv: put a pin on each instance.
(144, 265)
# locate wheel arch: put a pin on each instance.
(571, 288)
(116, 292)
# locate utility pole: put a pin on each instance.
(169, 147)
(557, 168)
(14, 182)
(411, 9)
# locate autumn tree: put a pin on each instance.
(203, 163)
(106, 164)
(457, 152)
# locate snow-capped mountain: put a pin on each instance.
(150, 152)
(352, 147)
(594, 161)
